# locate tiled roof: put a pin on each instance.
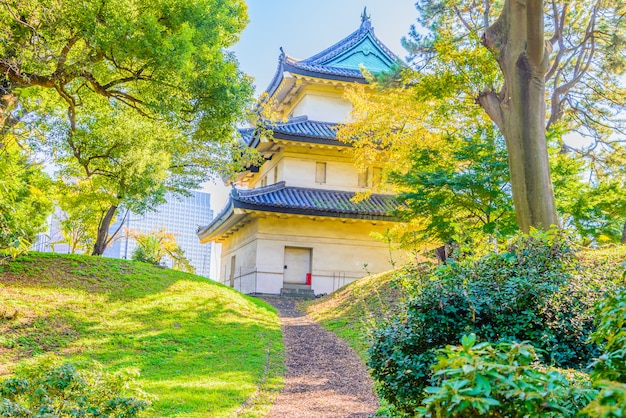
(349, 73)
(299, 128)
(279, 198)
(342, 60)
(348, 42)
(302, 126)
(247, 135)
(282, 198)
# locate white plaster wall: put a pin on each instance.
(300, 172)
(243, 245)
(267, 171)
(269, 283)
(322, 107)
(339, 249)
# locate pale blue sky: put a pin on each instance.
(304, 28)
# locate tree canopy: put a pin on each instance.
(165, 59)
(129, 98)
(556, 61)
(24, 200)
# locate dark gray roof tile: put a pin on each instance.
(299, 129)
(312, 201)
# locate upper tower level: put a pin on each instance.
(314, 86)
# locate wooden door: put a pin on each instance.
(297, 265)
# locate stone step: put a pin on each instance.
(296, 286)
(297, 293)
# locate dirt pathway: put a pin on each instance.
(324, 376)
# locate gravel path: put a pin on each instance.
(324, 376)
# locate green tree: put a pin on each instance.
(155, 246)
(24, 201)
(118, 158)
(576, 58)
(80, 206)
(445, 160)
(162, 58)
(591, 193)
(463, 194)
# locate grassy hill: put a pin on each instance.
(201, 348)
(353, 310)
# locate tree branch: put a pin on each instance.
(490, 102)
(535, 47)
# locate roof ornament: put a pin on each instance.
(233, 190)
(366, 23)
(282, 52)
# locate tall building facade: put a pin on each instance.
(180, 215)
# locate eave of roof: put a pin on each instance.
(280, 198)
(299, 129)
(320, 65)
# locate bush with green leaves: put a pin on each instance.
(65, 391)
(534, 291)
(501, 380)
(609, 370)
(147, 251)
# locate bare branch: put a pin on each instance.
(462, 19)
(490, 102)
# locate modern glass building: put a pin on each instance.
(180, 216)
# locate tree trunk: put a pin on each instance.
(623, 240)
(103, 232)
(8, 101)
(519, 109)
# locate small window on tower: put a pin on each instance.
(377, 174)
(363, 178)
(320, 172)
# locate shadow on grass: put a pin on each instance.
(209, 361)
(118, 279)
(201, 347)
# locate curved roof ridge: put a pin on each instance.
(302, 119)
(278, 75)
(321, 63)
(242, 193)
(294, 120)
(339, 47)
(293, 199)
(346, 43)
(335, 191)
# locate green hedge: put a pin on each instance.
(65, 391)
(533, 292)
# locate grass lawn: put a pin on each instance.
(353, 310)
(203, 350)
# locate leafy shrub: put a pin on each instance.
(147, 251)
(532, 292)
(609, 370)
(611, 337)
(501, 380)
(155, 246)
(64, 391)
